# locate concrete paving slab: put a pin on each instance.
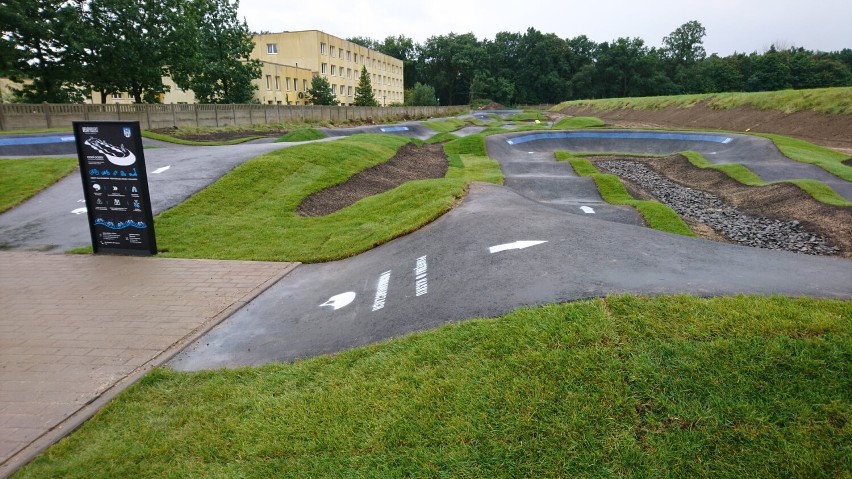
(77, 329)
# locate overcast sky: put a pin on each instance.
(732, 25)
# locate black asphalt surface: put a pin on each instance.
(460, 266)
(758, 154)
(450, 264)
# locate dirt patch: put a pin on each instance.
(827, 130)
(780, 201)
(409, 163)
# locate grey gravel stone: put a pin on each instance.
(728, 221)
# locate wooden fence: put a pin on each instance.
(18, 116)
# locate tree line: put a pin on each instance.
(535, 68)
(61, 50)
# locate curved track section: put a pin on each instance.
(758, 154)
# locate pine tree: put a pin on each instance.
(364, 90)
(321, 93)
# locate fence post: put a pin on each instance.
(234, 108)
(86, 111)
(251, 117)
(2, 116)
(174, 117)
(216, 112)
(118, 110)
(46, 114)
(148, 115)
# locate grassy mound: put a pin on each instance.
(21, 179)
(623, 386)
(250, 213)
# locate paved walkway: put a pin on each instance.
(77, 329)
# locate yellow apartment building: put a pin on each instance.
(283, 84)
(336, 59)
(291, 60)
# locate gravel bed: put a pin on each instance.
(728, 221)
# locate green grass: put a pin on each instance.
(445, 126)
(805, 152)
(657, 215)
(816, 189)
(180, 141)
(625, 386)
(27, 131)
(528, 115)
(836, 101)
(577, 122)
(250, 213)
(302, 134)
(21, 179)
(441, 138)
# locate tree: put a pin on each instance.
(40, 43)
(219, 70)
(684, 46)
(682, 51)
(364, 90)
(422, 95)
(449, 63)
(321, 93)
(131, 44)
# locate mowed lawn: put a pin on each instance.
(250, 213)
(623, 386)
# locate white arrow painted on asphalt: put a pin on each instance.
(515, 245)
(341, 300)
(588, 210)
(79, 211)
(160, 170)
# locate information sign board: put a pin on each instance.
(115, 185)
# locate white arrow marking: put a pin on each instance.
(81, 201)
(160, 170)
(588, 210)
(79, 211)
(515, 245)
(341, 300)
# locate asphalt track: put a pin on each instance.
(469, 264)
(447, 271)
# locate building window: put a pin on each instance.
(349, 91)
(278, 83)
(333, 70)
(322, 48)
(304, 85)
(288, 84)
(340, 54)
(272, 48)
(324, 68)
(356, 58)
(269, 82)
(332, 51)
(341, 89)
(295, 84)
(117, 96)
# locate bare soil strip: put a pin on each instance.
(410, 163)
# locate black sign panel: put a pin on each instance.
(112, 165)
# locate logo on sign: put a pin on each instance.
(126, 132)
